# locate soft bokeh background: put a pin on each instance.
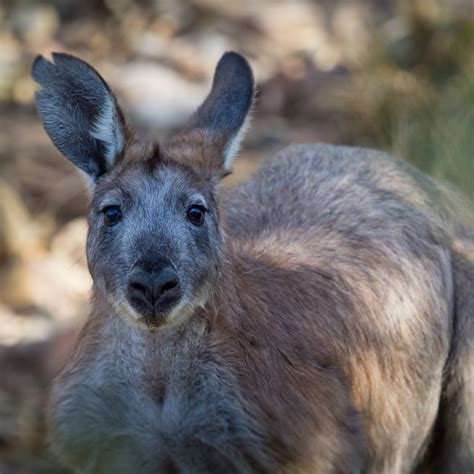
(392, 74)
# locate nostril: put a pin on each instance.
(168, 286)
(141, 290)
(137, 286)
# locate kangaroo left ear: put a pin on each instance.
(79, 113)
(224, 115)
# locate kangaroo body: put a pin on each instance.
(335, 334)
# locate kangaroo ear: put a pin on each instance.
(79, 113)
(224, 115)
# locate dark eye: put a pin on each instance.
(112, 215)
(196, 214)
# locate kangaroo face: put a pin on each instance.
(154, 243)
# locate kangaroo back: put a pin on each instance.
(452, 447)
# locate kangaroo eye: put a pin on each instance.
(195, 214)
(112, 215)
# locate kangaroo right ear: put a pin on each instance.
(79, 113)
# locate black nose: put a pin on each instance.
(153, 284)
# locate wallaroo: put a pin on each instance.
(317, 319)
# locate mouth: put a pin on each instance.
(172, 310)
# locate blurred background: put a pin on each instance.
(392, 74)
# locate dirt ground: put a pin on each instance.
(391, 74)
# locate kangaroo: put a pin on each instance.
(317, 319)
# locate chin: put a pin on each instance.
(154, 321)
(147, 320)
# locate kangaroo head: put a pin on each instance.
(154, 239)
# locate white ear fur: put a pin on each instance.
(233, 145)
(107, 128)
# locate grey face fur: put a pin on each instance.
(153, 263)
(154, 228)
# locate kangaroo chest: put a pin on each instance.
(162, 409)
